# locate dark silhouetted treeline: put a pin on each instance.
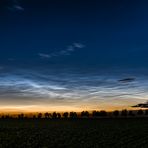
(83, 114)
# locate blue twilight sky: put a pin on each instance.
(71, 54)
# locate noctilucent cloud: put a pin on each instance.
(73, 55)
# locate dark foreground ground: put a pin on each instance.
(81, 133)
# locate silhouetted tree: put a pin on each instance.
(65, 115)
(103, 113)
(21, 116)
(47, 115)
(116, 113)
(54, 115)
(73, 115)
(85, 114)
(58, 115)
(39, 115)
(95, 114)
(140, 112)
(130, 113)
(7, 116)
(3, 116)
(124, 112)
(34, 117)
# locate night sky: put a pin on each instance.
(73, 55)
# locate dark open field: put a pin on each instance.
(80, 133)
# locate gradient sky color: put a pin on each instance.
(63, 55)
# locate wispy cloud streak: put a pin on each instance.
(64, 52)
(15, 6)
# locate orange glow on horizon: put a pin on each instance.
(71, 106)
(35, 109)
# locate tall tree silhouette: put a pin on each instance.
(21, 116)
(73, 115)
(54, 115)
(65, 115)
(58, 115)
(47, 115)
(84, 114)
(39, 115)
